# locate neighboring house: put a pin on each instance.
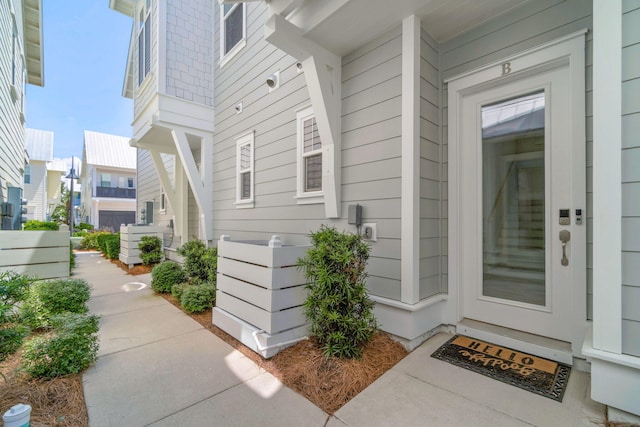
(21, 62)
(55, 173)
(493, 147)
(107, 179)
(41, 175)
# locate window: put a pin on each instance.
(233, 28)
(105, 180)
(309, 158)
(144, 42)
(27, 174)
(129, 182)
(18, 70)
(163, 202)
(244, 171)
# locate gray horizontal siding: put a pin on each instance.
(630, 179)
(371, 163)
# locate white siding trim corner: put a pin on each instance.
(410, 224)
(607, 191)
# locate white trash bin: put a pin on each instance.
(17, 416)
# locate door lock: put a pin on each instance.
(565, 236)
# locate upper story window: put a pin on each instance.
(233, 30)
(144, 41)
(129, 182)
(309, 158)
(18, 70)
(27, 174)
(244, 171)
(105, 180)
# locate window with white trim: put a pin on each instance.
(163, 202)
(244, 171)
(27, 174)
(144, 41)
(233, 29)
(105, 180)
(309, 158)
(18, 69)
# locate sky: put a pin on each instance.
(85, 53)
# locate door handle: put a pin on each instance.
(565, 236)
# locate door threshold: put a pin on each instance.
(549, 348)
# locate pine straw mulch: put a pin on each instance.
(328, 383)
(56, 402)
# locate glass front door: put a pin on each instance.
(513, 199)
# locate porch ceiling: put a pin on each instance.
(32, 10)
(156, 139)
(331, 23)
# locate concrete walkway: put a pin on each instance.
(158, 367)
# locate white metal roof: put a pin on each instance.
(39, 144)
(102, 149)
(57, 165)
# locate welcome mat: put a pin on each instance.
(535, 374)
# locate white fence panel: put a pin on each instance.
(42, 254)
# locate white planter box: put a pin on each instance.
(260, 293)
(130, 237)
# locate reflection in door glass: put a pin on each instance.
(513, 194)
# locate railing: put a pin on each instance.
(115, 192)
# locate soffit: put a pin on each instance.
(344, 25)
(32, 21)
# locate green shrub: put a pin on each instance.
(14, 288)
(71, 347)
(200, 262)
(150, 249)
(91, 240)
(34, 224)
(48, 298)
(165, 275)
(80, 233)
(178, 289)
(84, 226)
(11, 338)
(112, 246)
(72, 258)
(337, 306)
(198, 298)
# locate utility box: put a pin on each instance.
(260, 294)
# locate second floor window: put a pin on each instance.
(232, 29)
(144, 42)
(129, 182)
(27, 174)
(105, 180)
(309, 155)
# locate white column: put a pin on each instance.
(607, 191)
(410, 228)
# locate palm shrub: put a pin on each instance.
(69, 348)
(165, 275)
(198, 298)
(200, 262)
(48, 298)
(337, 306)
(150, 250)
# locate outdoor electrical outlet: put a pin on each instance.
(369, 231)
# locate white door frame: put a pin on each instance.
(570, 48)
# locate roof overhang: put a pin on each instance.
(34, 48)
(126, 7)
(331, 23)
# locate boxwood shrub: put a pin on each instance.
(165, 275)
(48, 298)
(198, 298)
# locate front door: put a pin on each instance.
(520, 212)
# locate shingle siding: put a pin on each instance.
(189, 50)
